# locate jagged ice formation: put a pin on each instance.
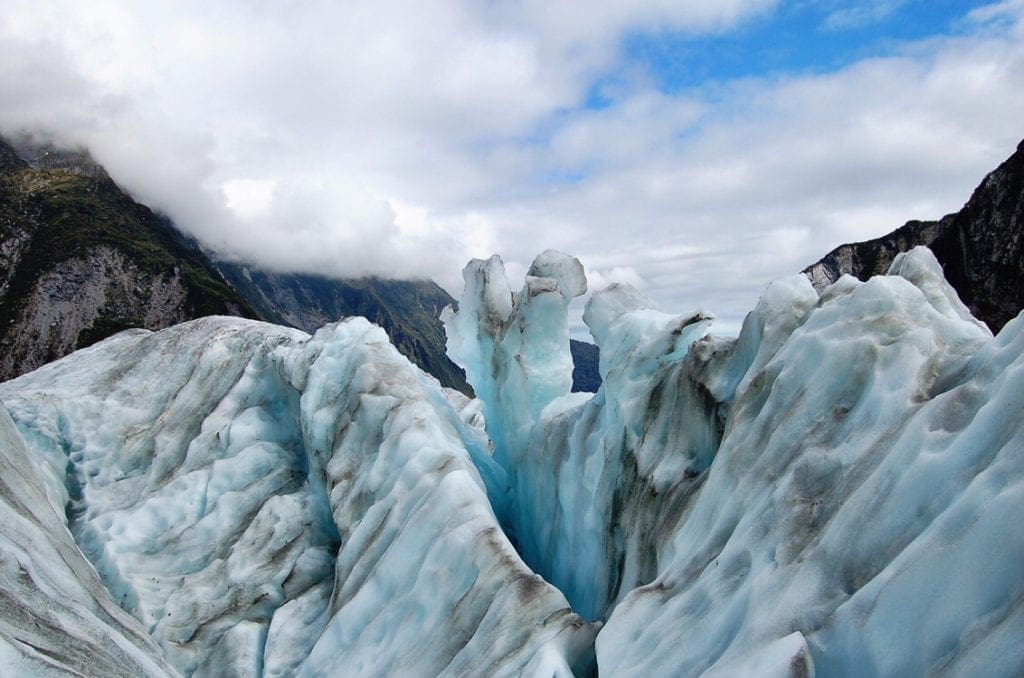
(839, 487)
(837, 490)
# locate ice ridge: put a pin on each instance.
(264, 502)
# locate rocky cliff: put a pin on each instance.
(981, 247)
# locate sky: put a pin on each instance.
(696, 150)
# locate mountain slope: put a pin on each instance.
(586, 377)
(81, 260)
(981, 247)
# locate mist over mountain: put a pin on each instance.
(979, 247)
(80, 260)
(84, 261)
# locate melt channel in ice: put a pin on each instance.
(838, 489)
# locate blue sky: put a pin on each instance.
(794, 39)
(696, 150)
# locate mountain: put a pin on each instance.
(586, 377)
(80, 260)
(837, 491)
(981, 247)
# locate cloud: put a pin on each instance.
(404, 138)
(861, 14)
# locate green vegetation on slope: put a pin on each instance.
(52, 218)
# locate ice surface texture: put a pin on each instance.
(839, 488)
(268, 503)
(836, 491)
(56, 618)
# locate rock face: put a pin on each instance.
(586, 377)
(80, 260)
(981, 247)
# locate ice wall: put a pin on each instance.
(863, 497)
(600, 483)
(268, 503)
(515, 347)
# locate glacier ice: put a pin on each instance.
(265, 502)
(515, 347)
(56, 618)
(836, 491)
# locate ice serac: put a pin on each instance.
(515, 347)
(576, 462)
(264, 502)
(862, 496)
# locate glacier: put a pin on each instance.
(837, 491)
(264, 502)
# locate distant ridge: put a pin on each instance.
(981, 247)
(407, 310)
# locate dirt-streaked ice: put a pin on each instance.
(265, 502)
(839, 488)
(837, 491)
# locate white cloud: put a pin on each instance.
(248, 198)
(404, 138)
(862, 13)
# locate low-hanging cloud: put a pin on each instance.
(401, 139)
